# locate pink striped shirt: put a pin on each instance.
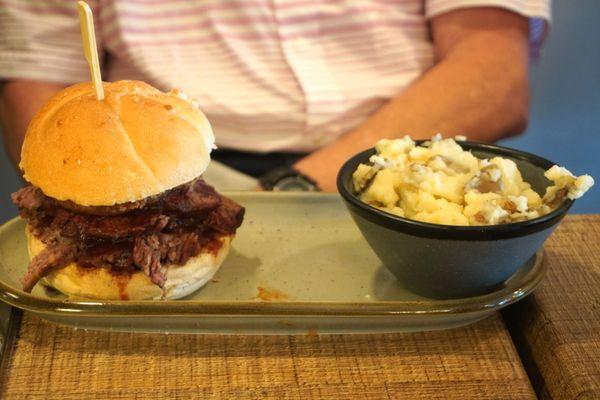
(271, 75)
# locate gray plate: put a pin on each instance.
(298, 265)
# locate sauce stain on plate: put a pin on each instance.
(270, 294)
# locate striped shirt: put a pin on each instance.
(271, 75)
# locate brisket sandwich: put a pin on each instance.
(116, 206)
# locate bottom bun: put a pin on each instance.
(97, 283)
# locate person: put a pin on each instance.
(293, 83)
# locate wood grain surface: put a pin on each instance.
(56, 362)
(557, 330)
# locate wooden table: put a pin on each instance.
(556, 331)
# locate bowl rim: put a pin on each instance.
(454, 232)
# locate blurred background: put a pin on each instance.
(565, 115)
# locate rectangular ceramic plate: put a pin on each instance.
(298, 265)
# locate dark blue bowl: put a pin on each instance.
(444, 261)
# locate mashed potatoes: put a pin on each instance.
(441, 183)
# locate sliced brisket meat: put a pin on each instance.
(28, 198)
(44, 232)
(191, 245)
(153, 251)
(103, 210)
(198, 197)
(166, 229)
(146, 255)
(57, 255)
(193, 197)
(178, 249)
(34, 205)
(113, 228)
(117, 257)
(227, 218)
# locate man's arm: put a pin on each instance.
(20, 100)
(478, 87)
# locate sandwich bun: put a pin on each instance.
(137, 142)
(97, 283)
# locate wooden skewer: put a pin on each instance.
(88, 37)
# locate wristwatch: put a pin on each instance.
(287, 179)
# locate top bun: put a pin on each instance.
(136, 143)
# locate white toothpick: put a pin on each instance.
(88, 37)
